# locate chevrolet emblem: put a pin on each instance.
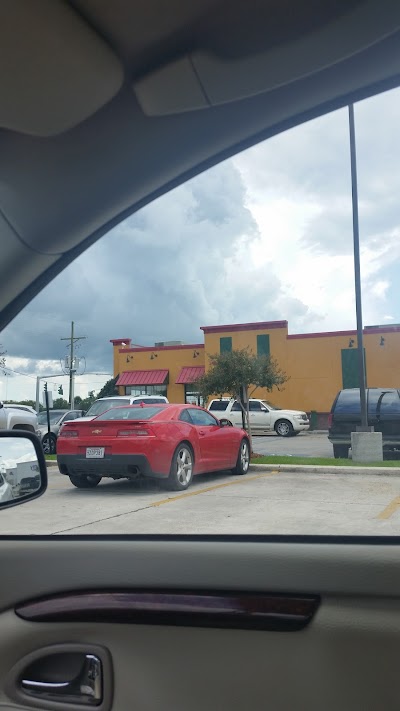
(96, 431)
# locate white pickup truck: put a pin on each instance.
(264, 417)
(18, 417)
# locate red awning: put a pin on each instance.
(143, 377)
(189, 374)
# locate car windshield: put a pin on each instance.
(102, 405)
(54, 417)
(236, 286)
(130, 413)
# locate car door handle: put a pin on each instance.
(85, 689)
(201, 433)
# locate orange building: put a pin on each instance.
(318, 364)
(168, 368)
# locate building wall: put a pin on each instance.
(172, 358)
(315, 365)
(313, 362)
(245, 336)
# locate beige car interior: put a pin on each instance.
(105, 105)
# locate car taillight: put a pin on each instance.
(68, 433)
(330, 418)
(134, 433)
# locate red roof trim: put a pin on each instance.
(142, 377)
(259, 326)
(142, 349)
(330, 334)
(189, 374)
(118, 341)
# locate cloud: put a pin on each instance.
(266, 235)
(180, 263)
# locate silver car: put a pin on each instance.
(57, 418)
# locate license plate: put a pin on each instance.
(94, 452)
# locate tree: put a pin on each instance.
(88, 401)
(60, 404)
(238, 374)
(109, 389)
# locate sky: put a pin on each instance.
(266, 235)
(14, 450)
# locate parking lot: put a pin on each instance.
(262, 502)
(306, 444)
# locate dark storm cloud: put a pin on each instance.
(179, 264)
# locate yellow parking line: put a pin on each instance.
(390, 508)
(216, 486)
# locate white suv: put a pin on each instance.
(107, 403)
(264, 417)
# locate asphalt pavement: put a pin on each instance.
(274, 501)
(305, 444)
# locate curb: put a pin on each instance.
(319, 469)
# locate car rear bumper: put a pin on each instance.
(116, 466)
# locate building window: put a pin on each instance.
(192, 397)
(134, 390)
(225, 345)
(263, 345)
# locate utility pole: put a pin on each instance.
(72, 340)
(357, 272)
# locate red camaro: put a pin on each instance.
(169, 442)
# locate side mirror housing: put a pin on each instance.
(23, 471)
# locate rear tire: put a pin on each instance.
(181, 471)
(341, 451)
(49, 444)
(243, 459)
(87, 481)
(284, 428)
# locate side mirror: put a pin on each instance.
(224, 422)
(23, 472)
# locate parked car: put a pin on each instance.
(383, 409)
(168, 442)
(18, 406)
(57, 419)
(105, 403)
(16, 418)
(264, 417)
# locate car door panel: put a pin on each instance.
(207, 430)
(345, 657)
(260, 418)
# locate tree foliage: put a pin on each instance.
(237, 374)
(230, 372)
(60, 404)
(109, 388)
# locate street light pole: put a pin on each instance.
(357, 271)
